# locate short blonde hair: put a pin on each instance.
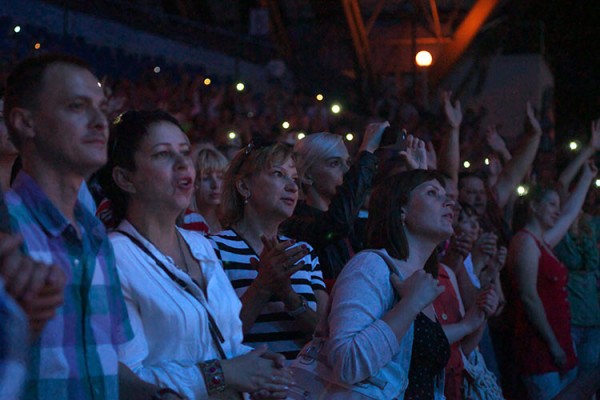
(312, 148)
(209, 160)
(249, 161)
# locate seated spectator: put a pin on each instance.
(202, 215)
(183, 310)
(543, 345)
(278, 279)
(333, 195)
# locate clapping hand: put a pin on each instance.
(278, 262)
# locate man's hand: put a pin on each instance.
(36, 287)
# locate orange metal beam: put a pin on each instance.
(437, 27)
(463, 37)
(359, 36)
(373, 17)
(279, 30)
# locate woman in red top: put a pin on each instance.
(543, 345)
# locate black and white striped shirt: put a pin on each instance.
(274, 326)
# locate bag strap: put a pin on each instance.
(388, 261)
(215, 332)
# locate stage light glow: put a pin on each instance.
(336, 108)
(349, 136)
(522, 190)
(423, 58)
(467, 164)
(573, 145)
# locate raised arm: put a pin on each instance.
(571, 208)
(568, 174)
(514, 171)
(449, 154)
(338, 221)
(497, 144)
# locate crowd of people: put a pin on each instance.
(272, 266)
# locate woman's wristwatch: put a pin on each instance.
(160, 394)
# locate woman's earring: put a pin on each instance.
(246, 198)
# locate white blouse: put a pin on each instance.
(170, 326)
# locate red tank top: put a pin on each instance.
(448, 311)
(531, 351)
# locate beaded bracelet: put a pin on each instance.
(213, 376)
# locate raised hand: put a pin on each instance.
(495, 141)
(372, 137)
(431, 156)
(589, 170)
(453, 112)
(535, 124)
(415, 153)
(595, 136)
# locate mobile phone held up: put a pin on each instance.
(394, 139)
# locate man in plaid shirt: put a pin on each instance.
(55, 113)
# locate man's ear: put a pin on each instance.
(122, 178)
(22, 120)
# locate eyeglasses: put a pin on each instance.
(256, 143)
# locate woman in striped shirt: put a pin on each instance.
(278, 280)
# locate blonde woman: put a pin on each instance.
(333, 194)
(203, 215)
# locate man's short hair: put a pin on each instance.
(24, 84)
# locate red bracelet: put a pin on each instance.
(213, 376)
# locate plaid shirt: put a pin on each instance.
(76, 354)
